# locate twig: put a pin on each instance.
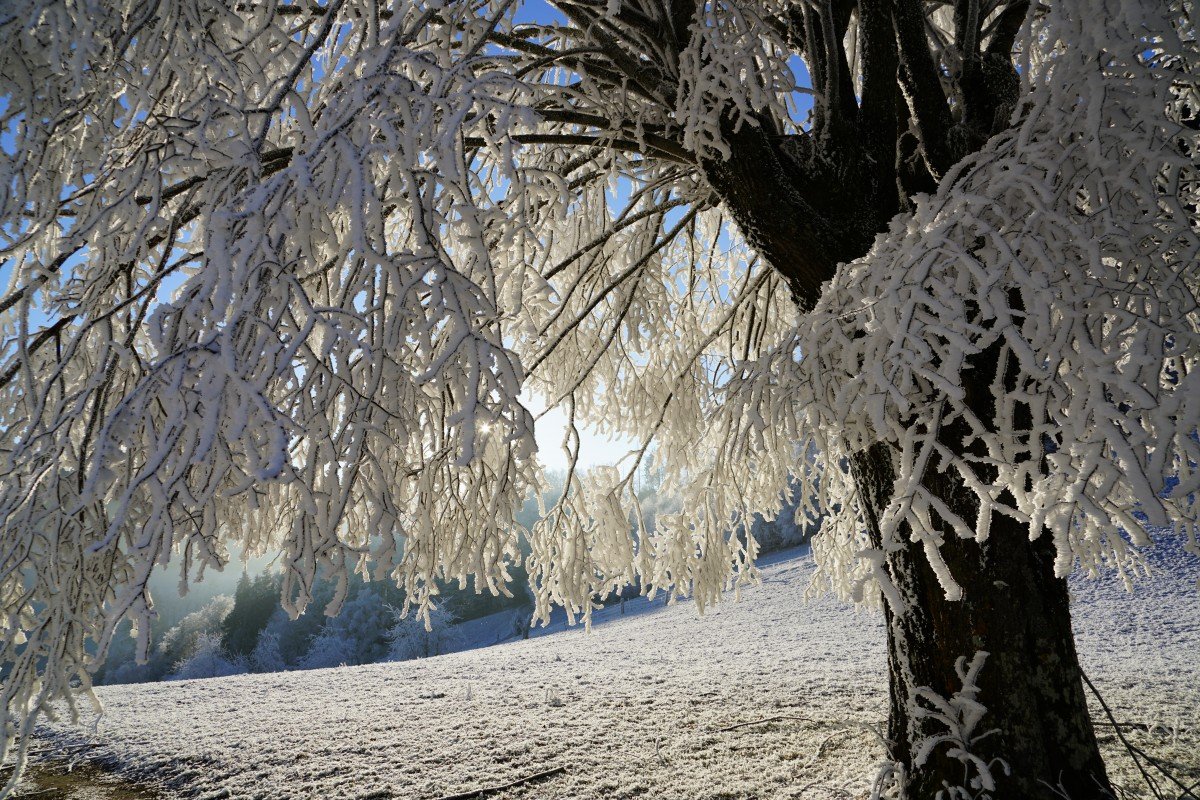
(821, 748)
(1135, 751)
(1133, 726)
(780, 718)
(658, 751)
(487, 791)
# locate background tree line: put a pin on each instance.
(209, 633)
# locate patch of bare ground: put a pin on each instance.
(55, 781)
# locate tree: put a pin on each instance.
(207, 660)
(192, 649)
(408, 637)
(357, 635)
(287, 274)
(254, 601)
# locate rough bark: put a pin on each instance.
(1013, 607)
(1016, 610)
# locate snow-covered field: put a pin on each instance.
(635, 709)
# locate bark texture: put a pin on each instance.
(1016, 610)
(1013, 607)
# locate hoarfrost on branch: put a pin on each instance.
(285, 275)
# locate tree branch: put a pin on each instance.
(967, 24)
(661, 149)
(922, 84)
(1003, 31)
(839, 82)
(637, 72)
(488, 791)
(763, 721)
(878, 112)
(45, 335)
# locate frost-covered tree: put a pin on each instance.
(208, 659)
(408, 637)
(267, 655)
(175, 647)
(193, 647)
(254, 601)
(285, 273)
(357, 635)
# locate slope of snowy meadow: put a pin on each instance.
(644, 706)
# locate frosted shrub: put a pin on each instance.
(207, 660)
(409, 637)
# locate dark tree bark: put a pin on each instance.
(1017, 611)
(1013, 607)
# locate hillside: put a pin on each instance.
(635, 709)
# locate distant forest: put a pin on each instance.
(210, 633)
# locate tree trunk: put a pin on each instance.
(1014, 609)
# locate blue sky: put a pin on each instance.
(595, 448)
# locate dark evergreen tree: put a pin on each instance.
(253, 603)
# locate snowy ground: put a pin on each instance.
(632, 710)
